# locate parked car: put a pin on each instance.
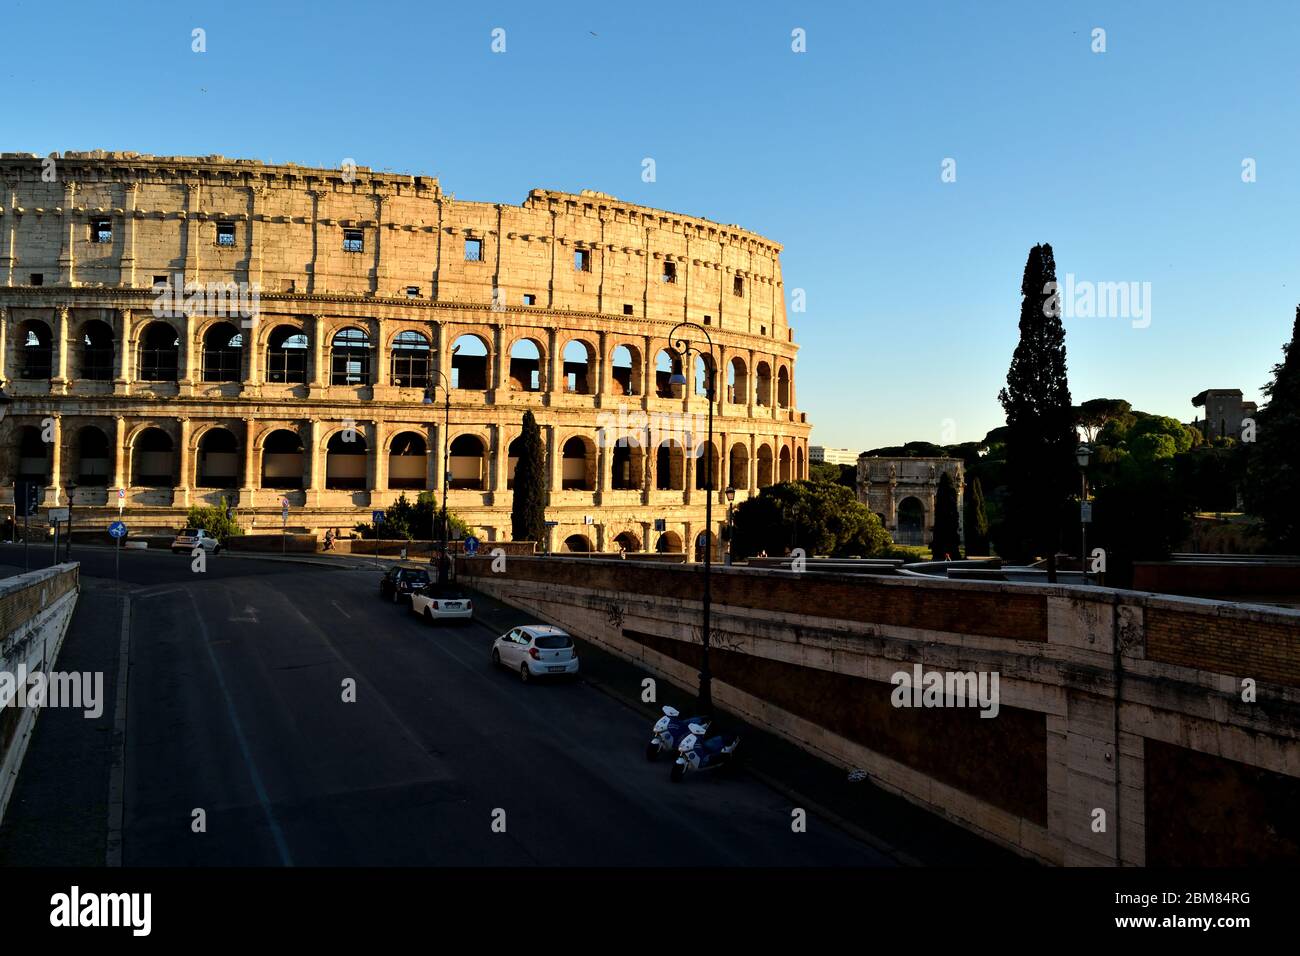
(536, 650)
(189, 538)
(402, 579)
(437, 604)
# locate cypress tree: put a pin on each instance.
(947, 528)
(528, 507)
(1273, 476)
(1041, 436)
(977, 520)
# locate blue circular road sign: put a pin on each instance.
(471, 545)
(117, 529)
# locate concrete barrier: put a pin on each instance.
(35, 610)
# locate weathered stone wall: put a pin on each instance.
(1060, 774)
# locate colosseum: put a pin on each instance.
(179, 330)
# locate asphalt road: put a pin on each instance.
(236, 708)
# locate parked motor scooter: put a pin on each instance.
(669, 731)
(696, 753)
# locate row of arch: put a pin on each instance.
(353, 360)
(282, 461)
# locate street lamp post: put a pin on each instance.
(430, 398)
(1082, 455)
(730, 494)
(684, 348)
(72, 490)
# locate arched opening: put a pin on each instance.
(623, 364)
(407, 458)
(785, 463)
(627, 464)
(667, 364)
(282, 460)
(764, 383)
(153, 461)
(627, 541)
(579, 365)
(577, 544)
(737, 382)
(35, 351)
(96, 351)
(764, 466)
(670, 542)
(706, 462)
(345, 461)
(525, 366)
(93, 457)
(160, 346)
(468, 462)
(783, 387)
(350, 357)
(286, 358)
(670, 461)
(800, 471)
(738, 467)
(411, 360)
(512, 460)
(33, 456)
(911, 522)
(222, 349)
(703, 375)
(218, 459)
(703, 545)
(579, 465)
(469, 363)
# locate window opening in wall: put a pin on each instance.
(159, 280)
(225, 233)
(762, 330)
(627, 308)
(582, 260)
(738, 286)
(473, 250)
(353, 241)
(670, 272)
(530, 299)
(38, 278)
(412, 291)
(708, 320)
(101, 230)
(288, 285)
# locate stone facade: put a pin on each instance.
(1225, 412)
(901, 491)
(373, 293)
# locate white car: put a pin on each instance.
(536, 650)
(189, 538)
(437, 604)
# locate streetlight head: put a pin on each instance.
(1082, 454)
(731, 494)
(677, 378)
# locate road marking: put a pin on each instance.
(248, 617)
(338, 607)
(150, 593)
(117, 773)
(259, 788)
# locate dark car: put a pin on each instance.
(401, 580)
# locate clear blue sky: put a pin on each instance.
(1128, 162)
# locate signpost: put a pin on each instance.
(284, 526)
(55, 516)
(471, 546)
(117, 531)
(121, 499)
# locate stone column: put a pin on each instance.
(122, 370)
(55, 487)
(602, 369)
(317, 376)
(191, 356)
(59, 382)
(380, 376)
(126, 265)
(184, 465)
(433, 455)
(120, 476)
(554, 465)
(191, 228)
(4, 345)
(498, 362)
(248, 491)
(376, 461)
(252, 350)
(554, 364)
(67, 257)
(314, 466)
(499, 463)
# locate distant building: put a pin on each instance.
(821, 455)
(1224, 413)
(901, 491)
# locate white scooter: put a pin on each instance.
(668, 732)
(696, 753)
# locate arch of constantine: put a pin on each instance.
(902, 491)
(192, 329)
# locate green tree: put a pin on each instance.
(1041, 439)
(1094, 414)
(977, 521)
(946, 543)
(1273, 476)
(1139, 514)
(418, 520)
(213, 520)
(821, 517)
(528, 508)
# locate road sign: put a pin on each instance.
(58, 514)
(552, 524)
(471, 546)
(117, 530)
(661, 524)
(377, 517)
(1085, 512)
(121, 493)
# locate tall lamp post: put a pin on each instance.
(684, 348)
(430, 398)
(1082, 455)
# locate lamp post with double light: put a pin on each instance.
(1083, 454)
(684, 346)
(730, 494)
(431, 398)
